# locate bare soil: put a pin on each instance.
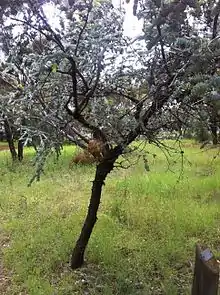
(3, 147)
(5, 275)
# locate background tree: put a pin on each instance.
(7, 119)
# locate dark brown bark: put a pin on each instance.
(9, 138)
(20, 149)
(102, 170)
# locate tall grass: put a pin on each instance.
(143, 242)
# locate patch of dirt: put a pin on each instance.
(5, 280)
(5, 276)
(3, 148)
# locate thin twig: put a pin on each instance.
(84, 27)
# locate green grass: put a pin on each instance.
(143, 242)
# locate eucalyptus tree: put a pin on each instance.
(62, 73)
(190, 29)
(79, 75)
(7, 116)
(203, 82)
(198, 91)
(210, 83)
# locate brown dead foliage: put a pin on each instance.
(82, 158)
(93, 154)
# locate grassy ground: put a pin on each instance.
(145, 237)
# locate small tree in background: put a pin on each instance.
(7, 92)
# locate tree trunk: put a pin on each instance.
(214, 124)
(10, 140)
(206, 274)
(102, 170)
(20, 149)
(213, 128)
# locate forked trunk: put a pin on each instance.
(10, 140)
(102, 170)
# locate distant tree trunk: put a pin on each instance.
(214, 134)
(20, 149)
(21, 141)
(10, 140)
(214, 124)
(102, 170)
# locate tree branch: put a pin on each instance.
(91, 92)
(83, 79)
(215, 26)
(74, 84)
(112, 91)
(162, 51)
(55, 38)
(74, 140)
(84, 26)
(71, 129)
